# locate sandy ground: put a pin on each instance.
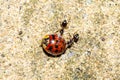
(96, 56)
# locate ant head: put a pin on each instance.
(76, 37)
(64, 24)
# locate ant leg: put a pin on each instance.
(61, 31)
(57, 31)
(70, 43)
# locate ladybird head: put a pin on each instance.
(45, 41)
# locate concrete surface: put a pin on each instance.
(96, 56)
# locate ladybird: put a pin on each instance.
(55, 45)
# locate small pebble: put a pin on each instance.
(103, 39)
(2, 55)
(20, 33)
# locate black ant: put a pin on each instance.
(72, 40)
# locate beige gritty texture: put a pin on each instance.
(23, 24)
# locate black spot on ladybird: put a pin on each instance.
(50, 48)
(56, 51)
(57, 41)
(56, 46)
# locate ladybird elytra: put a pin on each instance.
(54, 44)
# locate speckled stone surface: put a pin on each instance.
(96, 56)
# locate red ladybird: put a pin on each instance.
(55, 45)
